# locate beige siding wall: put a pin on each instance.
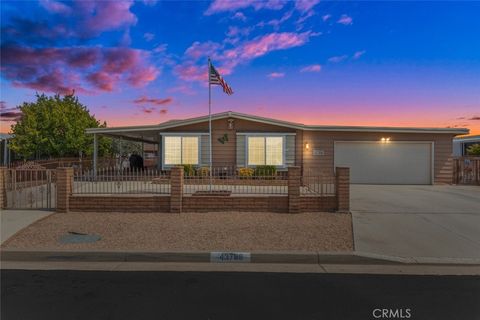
(232, 152)
(325, 141)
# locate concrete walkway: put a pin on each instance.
(13, 221)
(417, 221)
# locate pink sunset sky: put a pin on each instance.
(325, 63)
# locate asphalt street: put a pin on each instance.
(54, 294)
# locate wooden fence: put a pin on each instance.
(466, 170)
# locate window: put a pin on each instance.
(180, 150)
(265, 151)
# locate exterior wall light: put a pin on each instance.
(307, 146)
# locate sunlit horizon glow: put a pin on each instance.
(317, 63)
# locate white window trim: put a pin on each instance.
(266, 135)
(181, 134)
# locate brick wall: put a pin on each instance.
(177, 202)
(258, 204)
(112, 203)
(64, 188)
(343, 189)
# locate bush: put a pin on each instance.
(265, 171)
(245, 172)
(203, 172)
(188, 170)
(474, 150)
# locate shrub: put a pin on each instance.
(474, 150)
(188, 170)
(203, 172)
(265, 171)
(245, 172)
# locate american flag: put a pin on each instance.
(216, 79)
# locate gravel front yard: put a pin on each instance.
(193, 231)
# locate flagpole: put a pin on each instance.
(210, 121)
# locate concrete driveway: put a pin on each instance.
(13, 221)
(417, 221)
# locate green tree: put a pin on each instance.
(474, 150)
(54, 126)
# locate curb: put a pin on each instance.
(356, 258)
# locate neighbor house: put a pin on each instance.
(461, 144)
(375, 155)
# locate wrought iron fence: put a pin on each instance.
(466, 170)
(235, 181)
(114, 180)
(30, 188)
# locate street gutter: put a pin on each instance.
(279, 257)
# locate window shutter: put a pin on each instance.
(290, 150)
(205, 151)
(241, 151)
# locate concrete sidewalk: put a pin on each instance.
(13, 221)
(417, 221)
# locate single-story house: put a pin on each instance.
(461, 144)
(375, 155)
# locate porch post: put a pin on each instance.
(95, 154)
(159, 153)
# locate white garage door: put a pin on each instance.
(386, 163)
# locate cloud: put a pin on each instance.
(9, 114)
(148, 36)
(275, 23)
(182, 89)
(267, 43)
(226, 59)
(228, 5)
(239, 16)
(275, 75)
(198, 49)
(56, 7)
(337, 59)
(234, 31)
(358, 54)
(326, 17)
(312, 68)
(345, 20)
(73, 21)
(305, 5)
(155, 101)
(160, 48)
(190, 72)
(84, 69)
(100, 16)
(475, 118)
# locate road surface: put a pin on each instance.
(135, 295)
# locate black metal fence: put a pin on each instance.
(114, 180)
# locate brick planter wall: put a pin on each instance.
(177, 202)
(112, 203)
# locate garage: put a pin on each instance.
(386, 162)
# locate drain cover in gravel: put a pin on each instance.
(76, 237)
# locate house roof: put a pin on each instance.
(293, 125)
(475, 138)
